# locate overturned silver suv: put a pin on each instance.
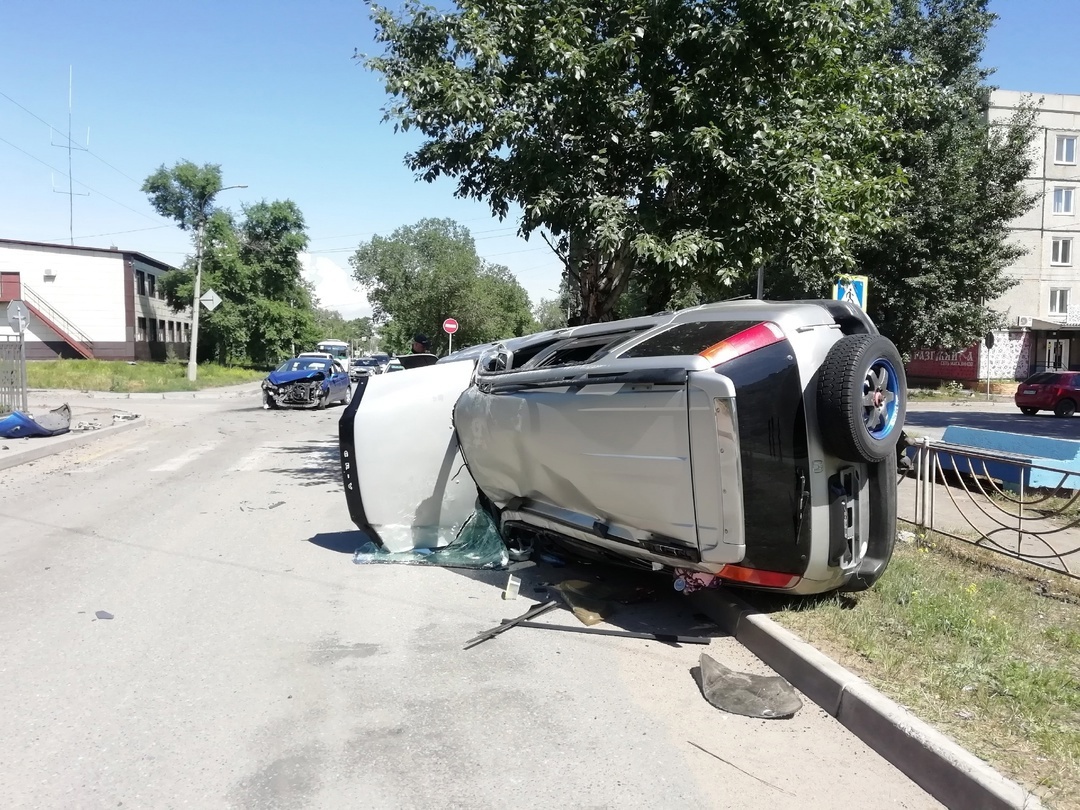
(750, 441)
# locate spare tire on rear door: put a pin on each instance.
(862, 398)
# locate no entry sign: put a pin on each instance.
(449, 326)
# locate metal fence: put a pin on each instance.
(12, 373)
(985, 497)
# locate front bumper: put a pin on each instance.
(300, 394)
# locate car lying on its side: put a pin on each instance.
(1057, 391)
(753, 441)
(310, 380)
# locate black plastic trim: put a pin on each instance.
(347, 457)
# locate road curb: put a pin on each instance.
(72, 440)
(948, 772)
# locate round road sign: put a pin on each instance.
(449, 326)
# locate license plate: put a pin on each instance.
(1031, 391)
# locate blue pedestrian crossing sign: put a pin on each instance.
(851, 288)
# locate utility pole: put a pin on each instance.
(71, 181)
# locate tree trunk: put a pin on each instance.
(601, 280)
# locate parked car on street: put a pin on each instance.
(309, 380)
(362, 366)
(1057, 391)
(752, 441)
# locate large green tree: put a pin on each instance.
(935, 273)
(424, 273)
(266, 310)
(691, 141)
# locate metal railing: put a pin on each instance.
(12, 374)
(968, 493)
(51, 313)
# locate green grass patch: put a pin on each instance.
(122, 377)
(982, 647)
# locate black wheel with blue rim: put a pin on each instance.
(862, 398)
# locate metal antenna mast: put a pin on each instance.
(71, 181)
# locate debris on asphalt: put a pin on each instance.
(19, 425)
(276, 505)
(513, 586)
(740, 770)
(688, 582)
(532, 613)
(765, 696)
(103, 614)
(667, 638)
(589, 601)
(477, 546)
(124, 416)
(79, 426)
(554, 560)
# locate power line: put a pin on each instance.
(65, 174)
(46, 123)
(114, 233)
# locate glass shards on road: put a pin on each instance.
(478, 545)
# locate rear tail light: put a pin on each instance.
(755, 576)
(744, 342)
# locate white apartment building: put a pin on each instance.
(1043, 309)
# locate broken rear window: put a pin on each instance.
(688, 338)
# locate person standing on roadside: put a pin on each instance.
(421, 344)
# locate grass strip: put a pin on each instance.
(981, 646)
(122, 377)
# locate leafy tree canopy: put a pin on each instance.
(266, 311)
(424, 273)
(185, 192)
(687, 140)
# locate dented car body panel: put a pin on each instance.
(682, 441)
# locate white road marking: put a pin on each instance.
(100, 461)
(176, 462)
(253, 461)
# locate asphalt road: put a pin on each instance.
(250, 663)
(931, 417)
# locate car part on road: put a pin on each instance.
(666, 638)
(19, 425)
(532, 613)
(766, 696)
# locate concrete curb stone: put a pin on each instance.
(948, 772)
(61, 443)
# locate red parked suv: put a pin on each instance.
(1057, 391)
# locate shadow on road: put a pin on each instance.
(341, 542)
(317, 462)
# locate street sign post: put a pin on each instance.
(210, 300)
(852, 289)
(18, 316)
(450, 326)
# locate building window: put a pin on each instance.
(172, 334)
(140, 330)
(1059, 302)
(161, 330)
(187, 333)
(153, 330)
(140, 282)
(152, 282)
(1062, 252)
(1063, 200)
(1066, 149)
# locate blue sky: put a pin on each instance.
(270, 91)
